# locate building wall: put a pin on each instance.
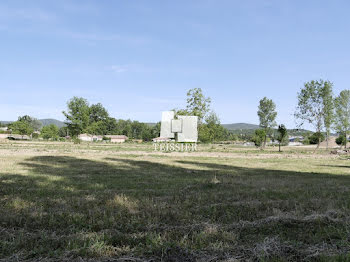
(85, 138)
(117, 140)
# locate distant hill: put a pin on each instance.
(50, 121)
(6, 122)
(45, 122)
(239, 126)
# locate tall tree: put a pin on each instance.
(282, 135)
(267, 115)
(328, 107)
(342, 114)
(313, 105)
(78, 115)
(197, 103)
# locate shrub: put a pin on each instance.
(259, 137)
(306, 141)
(340, 140)
(314, 138)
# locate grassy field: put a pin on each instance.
(98, 202)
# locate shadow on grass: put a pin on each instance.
(335, 166)
(68, 207)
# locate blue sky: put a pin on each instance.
(140, 57)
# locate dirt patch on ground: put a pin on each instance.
(331, 143)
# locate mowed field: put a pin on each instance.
(103, 202)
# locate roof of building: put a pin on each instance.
(91, 136)
(85, 135)
(117, 136)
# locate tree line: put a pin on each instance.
(81, 117)
(316, 106)
(94, 119)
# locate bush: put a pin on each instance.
(306, 141)
(314, 138)
(50, 132)
(259, 137)
(340, 140)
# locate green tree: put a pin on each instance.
(282, 135)
(259, 137)
(316, 138)
(204, 134)
(212, 130)
(328, 108)
(22, 128)
(78, 115)
(342, 114)
(267, 115)
(123, 127)
(314, 106)
(98, 113)
(212, 119)
(33, 122)
(341, 140)
(110, 126)
(50, 132)
(63, 131)
(156, 130)
(197, 104)
(96, 128)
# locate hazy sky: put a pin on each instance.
(140, 57)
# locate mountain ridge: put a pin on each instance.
(239, 126)
(45, 122)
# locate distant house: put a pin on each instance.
(85, 137)
(295, 144)
(161, 139)
(296, 138)
(4, 129)
(117, 138)
(90, 138)
(97, 138)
